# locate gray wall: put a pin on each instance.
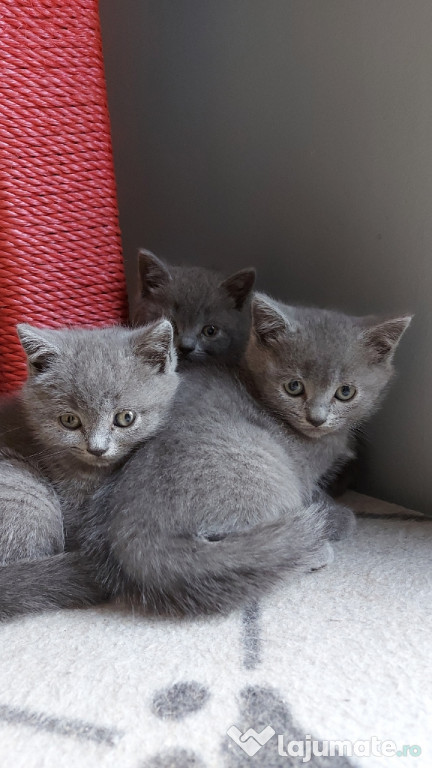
(295, 135)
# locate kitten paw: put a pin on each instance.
(341, 522)
(324, 557)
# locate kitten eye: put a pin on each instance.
(70, 421)
(124, 418)
(295, 387)
(209, 330)
(345, 392)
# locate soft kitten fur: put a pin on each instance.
(31, 522)
(192, 296)
(210, 313)
(323, 350)
(93, 374)
(218, 505)
(208, 513)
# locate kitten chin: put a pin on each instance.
(314, 433)
(99, 461)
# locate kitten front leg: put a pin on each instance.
(341, 521)
(31, 525)
(324, 557)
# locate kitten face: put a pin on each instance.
(210, 315)
(317, 370)
(93, 395)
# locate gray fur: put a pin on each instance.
(31, 523)
(324, 350)
(207, 514)
(93, 374)
(59, 581)
(210, 512)
(194, 298)
(221, 502)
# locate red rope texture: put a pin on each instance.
(60, 250)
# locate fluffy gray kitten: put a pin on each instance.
(90, 398)
(210, 314)
(218, 504)
(209, 512)
(192, 297)
(321, 373)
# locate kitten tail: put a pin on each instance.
(195, 576)
(61, 581)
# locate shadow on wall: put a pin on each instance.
(296, 137)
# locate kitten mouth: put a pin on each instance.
(316, 432)
(192, 357)
(97, 461)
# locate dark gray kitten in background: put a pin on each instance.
(90, 398)
(210, 314)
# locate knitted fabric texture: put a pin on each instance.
(60, 249)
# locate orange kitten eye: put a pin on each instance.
(70, 421)
(345, 392)
(209, 330)
(295, 387)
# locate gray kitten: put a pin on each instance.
(192, 296)
(208, 513)
(90, 398)
(218, 505)
(321, 373)
(210, 314)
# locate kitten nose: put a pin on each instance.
(316, 421)
(96, 451)
(186, 346)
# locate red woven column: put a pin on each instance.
(60, 251)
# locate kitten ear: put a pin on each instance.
(152, 273)
(39, 346)
(239, 285)
(155, 344)
(267, 322)
(382, 338)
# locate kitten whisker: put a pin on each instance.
(361, 431)
(47, 453)
(12, 429)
